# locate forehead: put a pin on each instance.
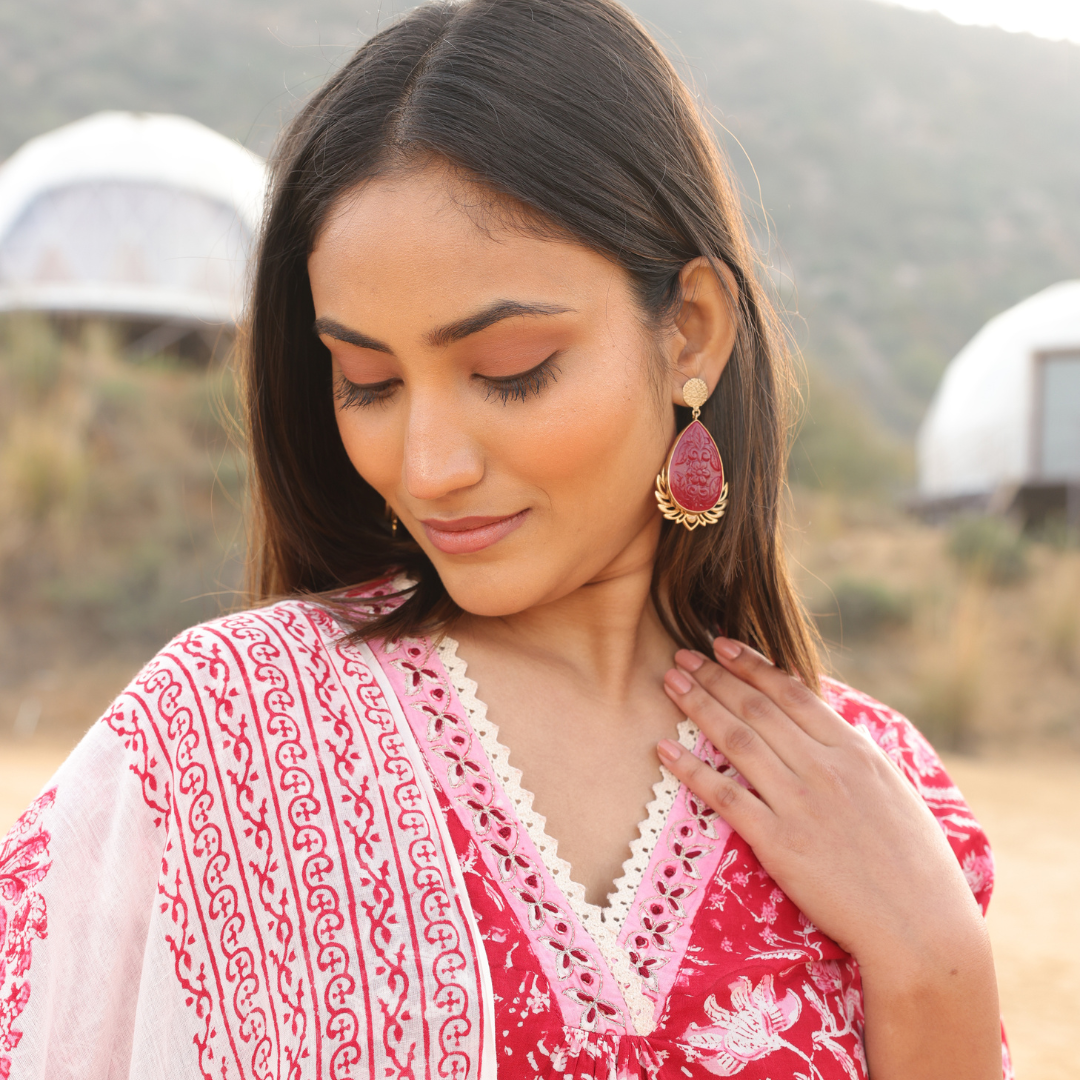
(429, 237)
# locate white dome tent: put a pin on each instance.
(148, 218)
(1003, 430)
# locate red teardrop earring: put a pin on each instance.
(690, 489)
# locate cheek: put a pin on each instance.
(600, 444)
(373, 442)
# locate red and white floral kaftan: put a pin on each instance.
(278, 855)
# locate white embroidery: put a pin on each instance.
(603, 924)
(665, 790)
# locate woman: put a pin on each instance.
(501, 264)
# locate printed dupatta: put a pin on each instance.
(242, 872)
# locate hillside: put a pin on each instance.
(916, 176)
(920, 176)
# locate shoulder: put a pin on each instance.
(321, 615)
(290, 646)
(220, 693)
(229, 640)
(897, 736)
(289, 623)
(226, 676)
(244, 666)
(894, 733)
(913, 755)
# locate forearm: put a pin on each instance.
(932, 1013)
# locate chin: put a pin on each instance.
(493, 591)
(487, 590)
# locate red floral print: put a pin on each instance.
(24, 864)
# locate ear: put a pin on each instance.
(705, 326)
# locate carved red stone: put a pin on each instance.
(695, 472)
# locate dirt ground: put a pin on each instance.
(1030, 809)
(1029, 806)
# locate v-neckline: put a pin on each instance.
(605, 926)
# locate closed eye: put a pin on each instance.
(518, 387)
(357, 395)
(504, 387)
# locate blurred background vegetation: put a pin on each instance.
(120, 521)
(906, 179)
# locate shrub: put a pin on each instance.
(32, 352)
(119, 497)
(863, 608)
(990, 547)
(946, 709)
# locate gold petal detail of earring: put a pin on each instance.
(691, 489)
(393, 521)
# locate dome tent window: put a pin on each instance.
(135, 234)
(1059, 419)
(144, 219)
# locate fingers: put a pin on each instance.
(741, 809)
(750, 705)
(769, 725)
(737, 740)
(757, 687)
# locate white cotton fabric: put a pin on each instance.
(243, 871)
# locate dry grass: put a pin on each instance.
(975, 663)
(1030, 808)
(119, 521)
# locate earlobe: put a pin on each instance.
(706, 324)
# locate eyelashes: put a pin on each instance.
(356, 396)
(506, 389)
(519, 387)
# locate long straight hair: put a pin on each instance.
(568, 110)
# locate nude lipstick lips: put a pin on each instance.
(465, 535)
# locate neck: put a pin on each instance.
(606, 635)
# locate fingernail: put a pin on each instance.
(678, 682)
(669, 751)
(689, 659)
(725, 647)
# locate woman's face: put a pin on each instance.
(497, 389)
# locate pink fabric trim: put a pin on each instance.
(686, 856)
(589, 997)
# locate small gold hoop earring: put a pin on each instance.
(691, 489)
(393, 521)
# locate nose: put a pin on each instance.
(441, 456)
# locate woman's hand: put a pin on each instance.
(848, 838)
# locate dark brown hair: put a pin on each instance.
(569, 109)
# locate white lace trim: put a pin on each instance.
(625, 887)
(604, 925)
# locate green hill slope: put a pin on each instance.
(915, 176)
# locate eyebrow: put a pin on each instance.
(332, 328)
(496, 312)
(444, 335)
